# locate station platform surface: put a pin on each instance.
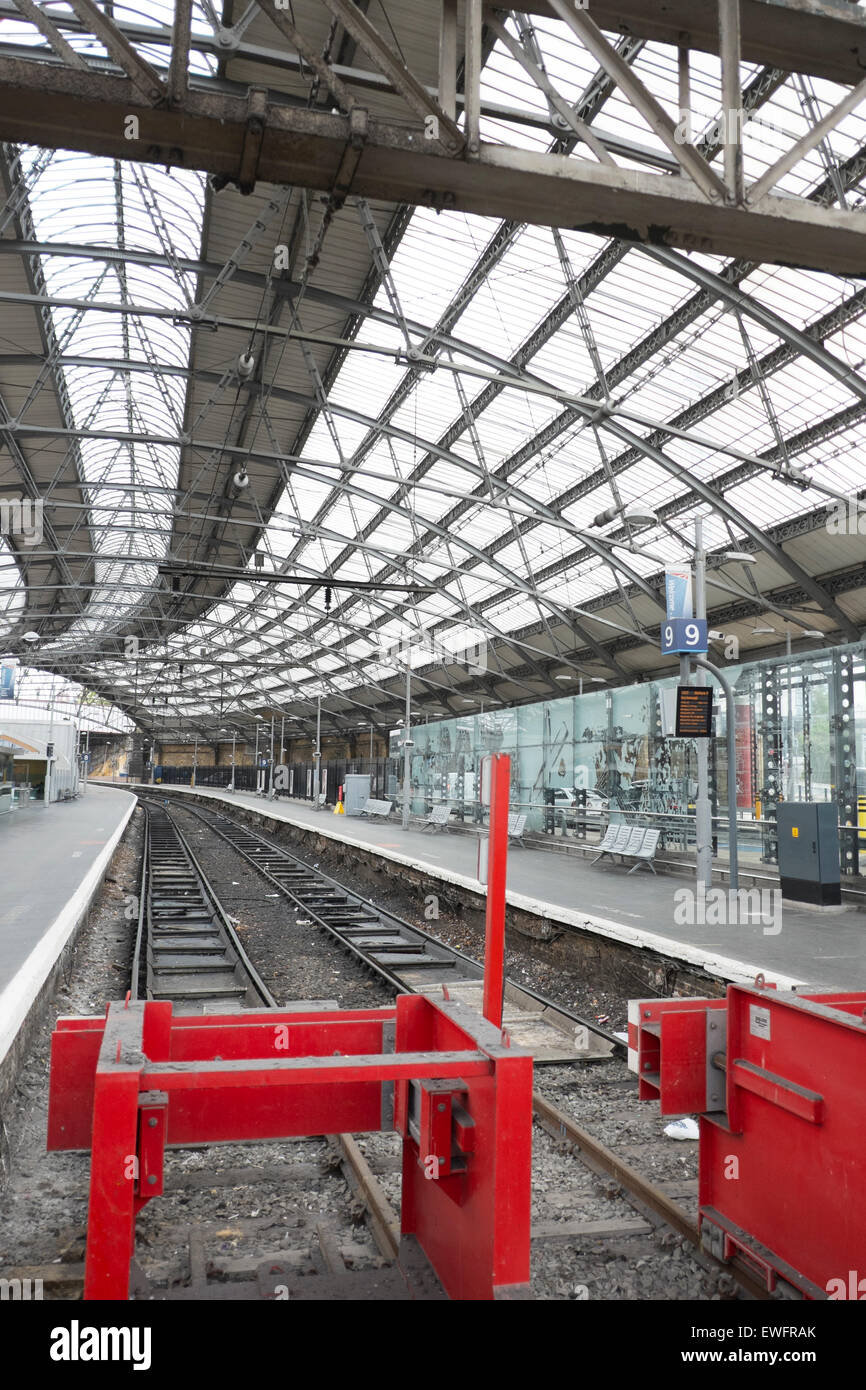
(797, 945)
(52, 860)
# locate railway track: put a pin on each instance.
(407, 957)
(413, 961)
(186, 949)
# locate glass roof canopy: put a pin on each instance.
(445, 405)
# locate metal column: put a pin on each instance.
(844, 746)
(772, 752)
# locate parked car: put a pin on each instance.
(565, 800)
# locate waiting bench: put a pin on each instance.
(629, 842)
(438, 818)
(372, 807)
(516, 827)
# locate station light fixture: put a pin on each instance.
(636, 514)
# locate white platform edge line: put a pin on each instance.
(19, 995)
(737, 971)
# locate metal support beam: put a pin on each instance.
(806, 143)
(178, 68)
(86, 111)
(413, 92)
(844, 748)
(448, 59)
(641, 98)
(821, 37)
(142, 76)
(732, 98)
(30, 10)
(472, 75)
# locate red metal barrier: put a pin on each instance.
(777, 1079)
(127, 1085)
(494, 932)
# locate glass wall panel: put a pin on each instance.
(583, 760)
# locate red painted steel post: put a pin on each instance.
(494, 932)
(111, 1213)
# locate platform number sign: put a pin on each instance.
(684, 635)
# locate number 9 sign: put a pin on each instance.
(684, 635)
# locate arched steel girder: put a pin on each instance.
(268, 697)
(850, 172)
(508, 491)
(479, 555)
(738, 299)
(713, 499)
(593, 414)
(820, 355)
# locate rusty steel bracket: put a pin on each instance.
(254, 134)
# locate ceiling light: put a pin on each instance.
(31, 636)
(640, 516)
(765, 631)
(635, 513)
(740, 555)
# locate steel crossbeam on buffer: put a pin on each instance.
(422, 158)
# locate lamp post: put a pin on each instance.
(703, 807)
(407, 751)
(317, 755)
(271, 767)
(234, 738)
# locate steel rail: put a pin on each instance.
(378, 922)
(184, 932)
(598, 1157)
(590, 1150)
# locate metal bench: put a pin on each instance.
(438, 818)
(628, 842)
(372, 807)
(647, 851)
(616, 837)
(516, 827)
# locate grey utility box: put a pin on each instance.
(809, 852)
(356, 792)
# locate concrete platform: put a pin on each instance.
(52, 861)
(795, 946)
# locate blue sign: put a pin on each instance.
(678, 593)
(684, 635)
(8, 672)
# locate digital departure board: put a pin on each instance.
(694, 711)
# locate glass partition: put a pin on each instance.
(580, 761)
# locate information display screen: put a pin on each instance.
(694, 711)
